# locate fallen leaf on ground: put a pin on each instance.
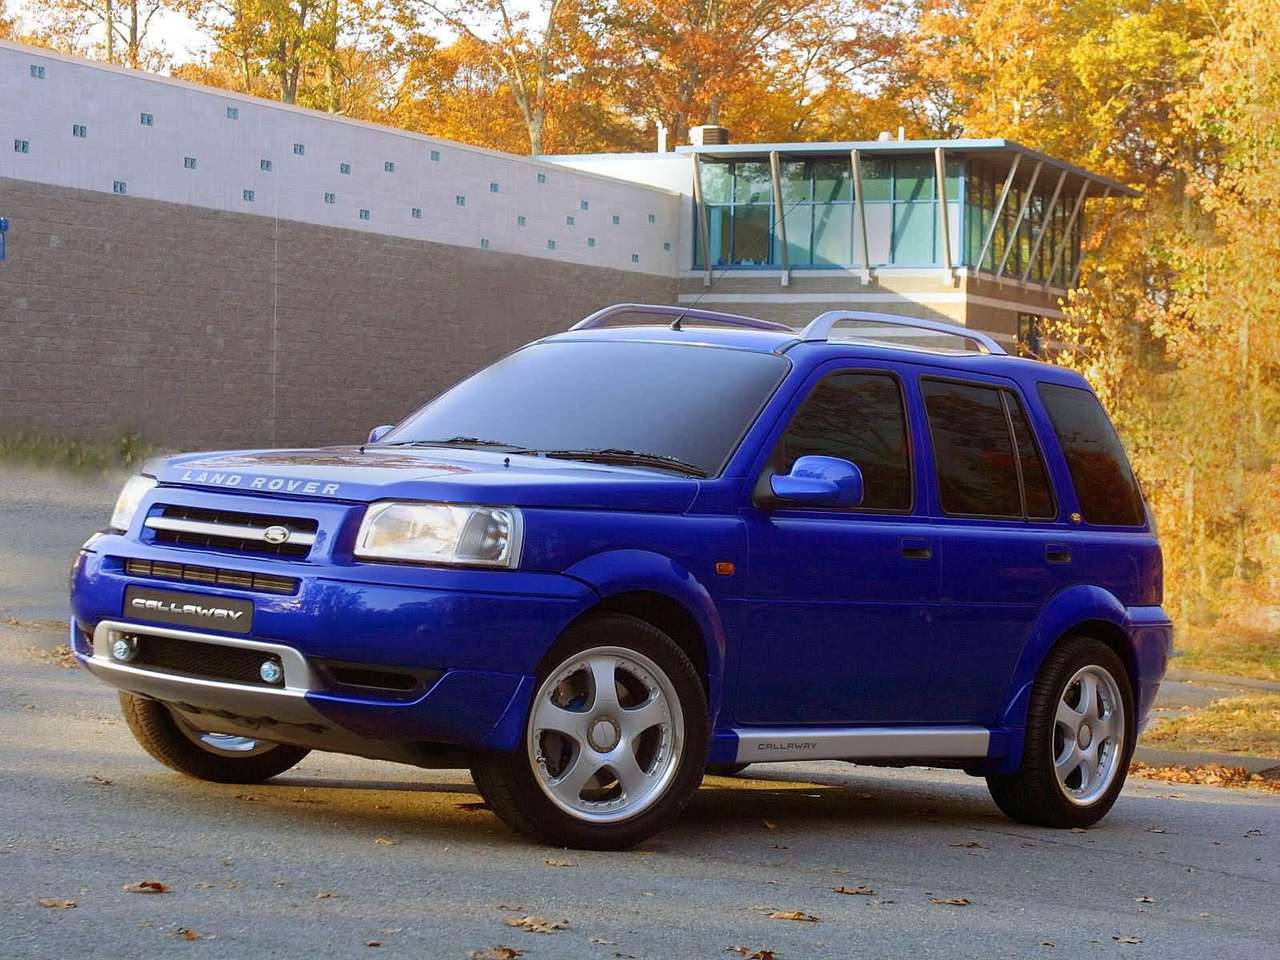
(186, 933)
(100, 781)
(769, 824)
(1211, 774)
(495, 953)
(146, 886)
(604, 943)
(56, 903)
(537, 924)
(1253, 832)
(59, 656)
(512, 907)
(373, 943)
(968, 844)
(855, 891)
(203, 885)
(472, 807)
(1127, 939)
(559, 863)
(385, 841)
(1047, 943)
(950, 901)
(1155, 830)
(1144, 900)
(793, 915)
(326, 894)
(250, 797)
(751, 954)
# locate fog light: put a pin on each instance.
(124, 649)
(270, 671)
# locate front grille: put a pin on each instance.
(213, 576)
(208, 661)
(233, 531)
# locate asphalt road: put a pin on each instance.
(340, 853)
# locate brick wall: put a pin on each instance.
(197, 327)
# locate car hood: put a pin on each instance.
(455, 475)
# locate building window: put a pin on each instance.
(542, 178)
(616, 220)
(344, 169)
(21, 146)
(521, 221)
(364, 214)
(635, 258)
(119, 186)
(484, 243)
(330, 198)
(493, 186)
(551, 244)
(37, 71)
(416, 213)
(233, 113)
(666, 245)
(653, 218)
(460, 200)
(388, 166)
(189, 163)
(264, 166)
(435, 156)
(79, 130)
(591, 241)
(584, 205)
(299, 149)
(248, 196)
(570, 220)
(146, 119)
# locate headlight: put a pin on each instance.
(441, 533)
(135, 488)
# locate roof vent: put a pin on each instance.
(708, 135)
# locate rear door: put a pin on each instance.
(836, 627)
(1005, 548)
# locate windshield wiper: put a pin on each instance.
(460, 442)
(615, 455)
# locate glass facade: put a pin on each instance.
(820, 219)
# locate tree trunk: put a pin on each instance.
(109, 24)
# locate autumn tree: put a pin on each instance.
(117, 31)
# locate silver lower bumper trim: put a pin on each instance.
(862, 743)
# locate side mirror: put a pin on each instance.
(820, 482)
(377, 433)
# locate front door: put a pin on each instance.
(835, 622)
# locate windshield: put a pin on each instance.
(686, 404)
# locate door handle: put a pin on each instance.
(914, 549)
(1057, 553)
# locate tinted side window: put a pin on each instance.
(1035, 479)
(858, 417)
(1104, 483)
(972, 449)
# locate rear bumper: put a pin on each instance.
(484, 631)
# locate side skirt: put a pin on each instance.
(764, 745)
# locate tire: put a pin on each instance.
(653, 725)
(181, 748)
(1036, 794)
(726, 769)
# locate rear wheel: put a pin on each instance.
(1080, 736)
(218, 757)
(615, 742)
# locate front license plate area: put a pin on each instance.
(188, 609)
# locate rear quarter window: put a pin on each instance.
(1100, 471)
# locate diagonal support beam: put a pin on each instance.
(1044, 225)
(995, 218)
(1066, 234)
(944, 214)
(855, 161)
(1012, 241)
(779, 217)
(704, 227)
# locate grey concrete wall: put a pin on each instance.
(202, 328)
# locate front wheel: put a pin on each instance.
(218, 757)
(1080, 735)
(615, 742)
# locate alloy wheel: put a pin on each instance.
(1088, 735)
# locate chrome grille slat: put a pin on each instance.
(214, 576)
(231, 531)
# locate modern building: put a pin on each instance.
(200, 267)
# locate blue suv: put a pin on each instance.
(626, 554)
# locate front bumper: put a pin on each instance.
(484, 631)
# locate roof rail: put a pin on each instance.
(820, 327)
(600, 317)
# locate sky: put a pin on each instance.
(171, 29)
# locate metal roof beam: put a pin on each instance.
(1017, 223)
(1044, 226)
